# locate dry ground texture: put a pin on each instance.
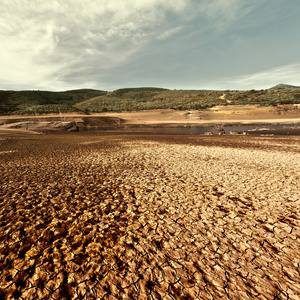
(243, 114)
(218, 115)
(94, 216)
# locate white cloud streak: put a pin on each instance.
(60, 44)
(44, 40)
(225, 12)
(288, 74)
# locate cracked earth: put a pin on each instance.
(91, 216)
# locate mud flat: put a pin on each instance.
(216, 116)
(96, 216)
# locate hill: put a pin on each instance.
(136, 99)
(153, 98)
(33, 102)
(285, 86)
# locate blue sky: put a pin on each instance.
(176, 44)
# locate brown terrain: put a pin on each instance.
(102, 216)
(237, 114)
(219, 115)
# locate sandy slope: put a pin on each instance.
(226, 115)
(285, 114)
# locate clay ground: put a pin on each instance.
(242, 114)
(95, 216)
(216, 116)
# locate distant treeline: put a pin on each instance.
(135, 99)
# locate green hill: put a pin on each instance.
(135, 99)
(32, 102)
(153, 98)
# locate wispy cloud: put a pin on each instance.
(288, 74)
(45, 41)
(168, 33)
(72, 44)
(223, 13)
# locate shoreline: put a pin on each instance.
(163, 118)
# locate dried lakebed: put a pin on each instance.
(95, 216)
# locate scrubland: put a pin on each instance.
(100, 216)
(87, 101)
(150, 98)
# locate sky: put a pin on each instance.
(177, 44)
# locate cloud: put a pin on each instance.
(288, 74)
(169, 33)
(59, 44)
(45, 41)
(225, 12)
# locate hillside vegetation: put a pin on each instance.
(135, 99)
(39, 102)
(151, 98)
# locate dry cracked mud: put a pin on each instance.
(94, 216)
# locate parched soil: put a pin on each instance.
(100, 216)
(232, 114)
(216, 116)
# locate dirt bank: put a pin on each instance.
(251, 114)
(225, 115)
